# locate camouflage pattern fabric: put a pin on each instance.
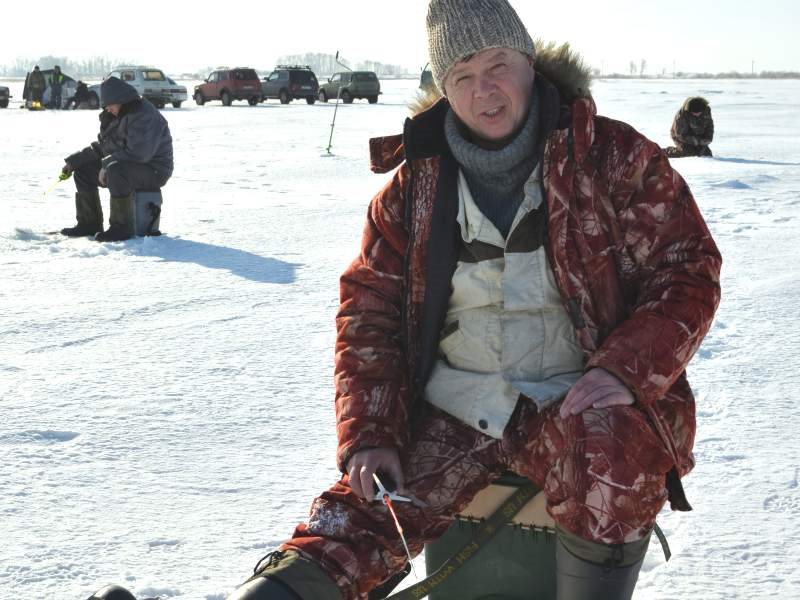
(603, 473)
(685, 150)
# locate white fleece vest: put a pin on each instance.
(506, 332)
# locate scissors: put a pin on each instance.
(385, 496)
(382, 492)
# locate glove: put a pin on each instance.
(106, 118)
(101, 176)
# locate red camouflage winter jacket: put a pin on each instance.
(636, 266)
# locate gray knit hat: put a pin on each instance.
(459, 28)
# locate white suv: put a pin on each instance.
(151, 83)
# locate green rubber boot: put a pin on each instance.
(122, 221)
(88, 213)
(287, 576)
(590, 571)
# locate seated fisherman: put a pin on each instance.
(692, 130)
(133, 152)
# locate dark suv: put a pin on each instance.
(241, 83)
(290, 82)
(353, 84)
(4, 96)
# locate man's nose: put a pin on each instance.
(484, 86)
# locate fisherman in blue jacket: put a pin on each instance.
(133, 152)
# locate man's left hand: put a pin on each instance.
(101, 176)
(596, 389)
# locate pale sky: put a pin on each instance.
(693, 36)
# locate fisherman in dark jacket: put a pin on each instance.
(692, 130)
(36, 85)
(81, 98)
(133, 152)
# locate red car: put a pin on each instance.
(227, 85)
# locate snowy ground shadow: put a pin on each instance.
(247, 265)
(747, 161)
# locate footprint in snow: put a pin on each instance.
(787, 501)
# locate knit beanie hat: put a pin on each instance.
(460, 28)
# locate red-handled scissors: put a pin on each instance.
(382, 492)
(385, 496)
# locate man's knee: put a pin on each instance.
(623, 437)
(86, 177)
(610, 483)
(118, 180)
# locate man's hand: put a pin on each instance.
(597, 389)
(67, 169)
(101, 176)
(106, 119)
(363, 464)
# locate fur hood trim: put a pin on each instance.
(685, 107)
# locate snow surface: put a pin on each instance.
(166, 402)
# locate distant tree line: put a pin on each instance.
(96, 67)
(325, 64)
(683, 75)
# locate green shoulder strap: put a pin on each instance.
(485, 532)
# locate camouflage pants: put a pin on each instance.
(603, 473)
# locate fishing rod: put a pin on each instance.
(62, 177)
(336, 107)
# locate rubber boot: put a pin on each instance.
(287, 576)
(112, 592)
(122, 221)
(88, 213)
(613, 579)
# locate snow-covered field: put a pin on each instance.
(166, 405)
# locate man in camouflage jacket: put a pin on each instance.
(582, 209)
(692, 129)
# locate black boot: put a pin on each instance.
(264, 588)
(88, 213)
(112, 592)
(285, 575)
(122, 221)
(581, 578)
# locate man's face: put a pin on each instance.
(491, 94)
(114, 109)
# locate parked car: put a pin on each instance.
(290, 82)
(353, 85)
(227, 85)
(149, 82)
(4, 96)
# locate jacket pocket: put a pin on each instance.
(450, 339)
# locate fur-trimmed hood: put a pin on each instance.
(559, 64)
(698, 100)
